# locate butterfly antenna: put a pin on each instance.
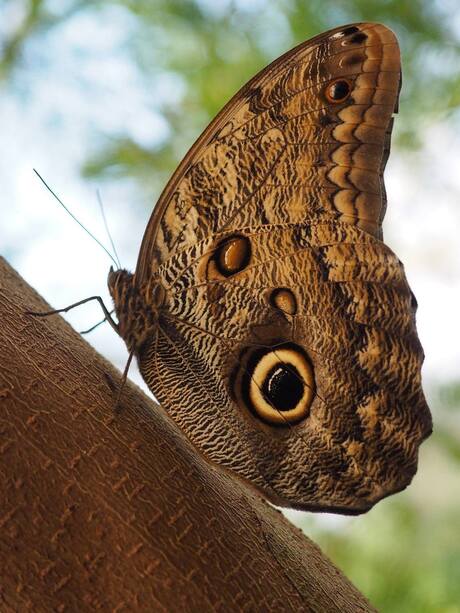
(106, 226)
(73, 216)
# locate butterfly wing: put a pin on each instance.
(285, 346)
(281, 151)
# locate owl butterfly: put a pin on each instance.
(266, 314)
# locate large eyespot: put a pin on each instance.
(232, 255)
(338, 91)
(277, 385)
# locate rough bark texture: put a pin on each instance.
(117, 512)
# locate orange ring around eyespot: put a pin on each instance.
(262, 406)
(332, 89)
(257, 386)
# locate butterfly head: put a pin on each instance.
(136, 307)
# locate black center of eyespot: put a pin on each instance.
(338, 91)
(283, 387)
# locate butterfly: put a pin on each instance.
(266, 313)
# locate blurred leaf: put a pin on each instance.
(405, 559)
(448, 441)
(449, 395)
(214, 48)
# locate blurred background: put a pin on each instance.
(107, 96)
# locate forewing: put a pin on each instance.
(280, 151)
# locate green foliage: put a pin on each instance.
(404, 558)
(213, 48)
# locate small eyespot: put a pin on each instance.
(351, 36)
(276, 385)
(338, 91)
(350, 30)
(283, 299)
(360, 37)
(346, 32)
(232, 255)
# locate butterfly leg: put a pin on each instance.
(107, 313)
(96, 325)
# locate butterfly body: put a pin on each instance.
(267, 315)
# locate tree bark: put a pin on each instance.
(104, 511)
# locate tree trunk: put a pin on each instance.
(116, 511)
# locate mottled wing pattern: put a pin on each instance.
(281, 152)
(267, 316)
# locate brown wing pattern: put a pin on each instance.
(355, 321)
(280, 152)
(266, 314)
